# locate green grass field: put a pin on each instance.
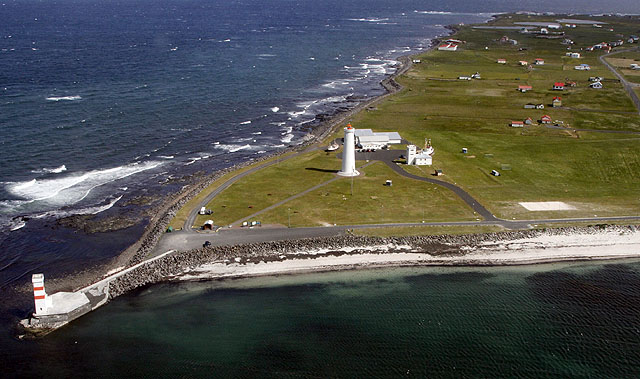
(372, 202)
(622, 63)
(598, 173)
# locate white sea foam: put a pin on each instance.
(15, 225)
(275, 109)
(82, 211)
(69, 189)
(287, 138)
(55, 170)
(231, 148)
(432, 12)
(256, 133)
(166, 156)
(245, 123)
(63, 98)
(368, 19)
(480, 14)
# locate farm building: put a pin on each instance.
(546, 119)
(556, 102)
(502, 61)
(539, 61)
(517, 124)
(558, 86)
(524, 88)
(596, 85)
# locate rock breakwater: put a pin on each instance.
(170, 266)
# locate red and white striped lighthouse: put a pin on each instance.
(39, 294)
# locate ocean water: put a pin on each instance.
(102, 102)
(560, 320)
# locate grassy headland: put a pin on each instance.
(578, 162)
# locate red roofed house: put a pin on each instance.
(448, 47)
(528, 121)
(517, 124)
(557, 102)
(546, 119)
(502, 61)
(539, 61)
(524, 88)
(523, 63)
(558, 86)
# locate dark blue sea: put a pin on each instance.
(106, 102)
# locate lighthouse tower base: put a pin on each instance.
(349, 173)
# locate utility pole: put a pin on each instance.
(289, 214)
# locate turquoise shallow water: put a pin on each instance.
(531, 321)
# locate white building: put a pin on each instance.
(596, 85)
(419, 158)
(368, 139)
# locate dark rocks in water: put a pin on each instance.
(92, 224)
(357, 97)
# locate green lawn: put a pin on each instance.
(407, 200)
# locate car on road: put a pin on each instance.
(206, 244)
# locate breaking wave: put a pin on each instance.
(63, 98)
(55, 170)
(232, 148)
(51, 194)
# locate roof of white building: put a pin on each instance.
(370, 135)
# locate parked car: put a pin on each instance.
(206, 244)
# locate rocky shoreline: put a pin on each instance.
(171, 266)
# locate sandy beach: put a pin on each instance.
(613, 243)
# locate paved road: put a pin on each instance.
(185, 241)
(628, 86)
(389, 156)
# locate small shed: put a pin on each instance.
(557, 102)
(528, 121)
(596, 85)
(495, 173)
(208, 225)
(539, 61)
(530, 106)
(517, 124)
(523, 63)
(388, 183)
(438, 172)
(502, 61)
(464, 150)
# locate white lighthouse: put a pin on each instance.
(42, 301)
(349, 153)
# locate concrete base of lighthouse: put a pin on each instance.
(351, 173)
